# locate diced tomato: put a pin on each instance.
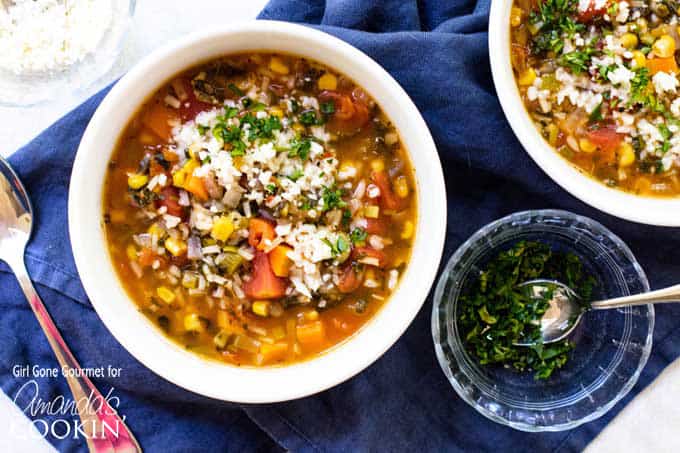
(264, 284)
(170, 199)
(591, 12)
(259, 231)
(605, 137)
(388, 199)
(349, 281)
(351, 112)
(377, 226)
(368, 252)
(190, 107)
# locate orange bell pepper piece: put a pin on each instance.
(259, 231)
(196, 186)
(662, 65)
(280, 263)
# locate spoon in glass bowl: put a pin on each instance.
(566, 307)
(104, 430)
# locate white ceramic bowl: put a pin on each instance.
(136, 333)
(653, 211)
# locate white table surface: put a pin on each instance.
(651, 423)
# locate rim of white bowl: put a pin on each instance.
(137, 334)
(648, 210)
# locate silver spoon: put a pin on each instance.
(566, 310)
(104, 430)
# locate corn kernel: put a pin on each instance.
(401, 187)
(516, 16)
(136, 181)
(179, 178)
(275, 111)
(664, 47)
(156, 230)
(175, 246)
(278, 333)
(629, 40)
(527, 77)
(222, 228)
(586, 145)
(533, 28)
(261, 308)
(311, 315)
(639, 59)
(327, 82)
(131, 252)
(278, 66)
(407, 232)
(377, 165)
(627, 155)
(299, 128)
(553, 133)
(165, 294)
(192, 323)
(372, 212)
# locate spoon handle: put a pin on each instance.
(104, 430)
(670, 294)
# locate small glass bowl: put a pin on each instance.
(26, 89)
(612, 346)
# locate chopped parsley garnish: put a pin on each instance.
(236, 90)
(300, 148)
(327, 108)
(596, 114)
(332, 198)
(309, 118)
(270, 189)
(495, 312)
(554, 18)
(577, 60)
(341, 245)
(358, 235)
(297, 174)
(666, 134)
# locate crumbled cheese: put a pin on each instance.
(48, 35)
(664, 82)
(623, 11)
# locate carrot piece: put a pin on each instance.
(263, 283)
(278, 258)
(273, 352)
(196, 186)
(157, 119)
(388, 199)
(662, 65)
(311, 335)
(349, 280)
(146, 257)
(170, 156)
(259, 231)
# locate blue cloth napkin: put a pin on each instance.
(437, 50)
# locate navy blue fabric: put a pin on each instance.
(437, 50)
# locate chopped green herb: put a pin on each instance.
(358, 235)
(309, 118)
(300, 148)
(327, 108)
(297, 174)
(332, 198)
(495, 313)
(236, 90)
